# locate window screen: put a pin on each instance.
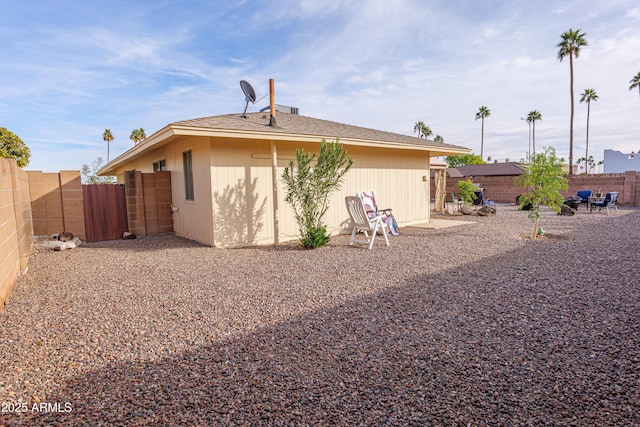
(188, 175)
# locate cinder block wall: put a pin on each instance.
(135, 202)
(163, 202)
(56, 203)
(16, 228)
(148, 198)
(157, 202)
(503, 189)
(72, 203)
(46, 203)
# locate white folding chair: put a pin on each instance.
(362, 222)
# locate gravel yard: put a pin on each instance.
(472, 325)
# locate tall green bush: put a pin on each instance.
(543, 182)
(310, 180)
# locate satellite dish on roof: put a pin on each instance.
(249, 95)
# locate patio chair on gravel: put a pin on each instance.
(371, 206)
(608, 202)
(362, 222)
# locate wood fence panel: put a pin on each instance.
(105, 211)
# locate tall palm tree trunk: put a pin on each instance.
(571, 125)
(586, 153)
(534, 137)
(482, 141)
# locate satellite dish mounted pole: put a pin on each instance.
(249, 96)
(272, 100)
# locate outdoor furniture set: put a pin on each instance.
(480, 200)
(594, 202)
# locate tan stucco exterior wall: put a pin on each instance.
(234, 193)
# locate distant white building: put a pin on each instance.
(617, 162)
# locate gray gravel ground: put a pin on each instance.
(473, 325)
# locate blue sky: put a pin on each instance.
(72, 69)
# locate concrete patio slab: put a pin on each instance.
(436, 224)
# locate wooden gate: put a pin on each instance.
(105, 211)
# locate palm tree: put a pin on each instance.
(635, 82)
(588, 96)
(426, 131)
(108, 137)
(482, 113)
(423, 130)
(137, 135)
(570, 46)
(531, 118)
(438, 138)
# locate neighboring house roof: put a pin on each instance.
(290, 127)
(451, 172)
(454, 173)
(492, 169)
(437, 163)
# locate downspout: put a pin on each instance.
(428, 186)
(274, 194)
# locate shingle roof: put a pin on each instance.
(289, 127)
(492, 169)
(302, 125)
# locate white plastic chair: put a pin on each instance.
(371, 206)
(361, 222)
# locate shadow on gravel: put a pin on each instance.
(466, 348)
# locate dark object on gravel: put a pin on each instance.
(526, 207)
(572, 202)
(567, 210)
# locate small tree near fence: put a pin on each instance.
(543, 182)
(88, 173)
(310, 180)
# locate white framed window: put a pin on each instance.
(160, 165)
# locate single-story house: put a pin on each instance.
(226, 173)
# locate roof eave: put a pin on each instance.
(181, 130)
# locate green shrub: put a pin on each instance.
(310, 180)
(467, 192)
(315, 238)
